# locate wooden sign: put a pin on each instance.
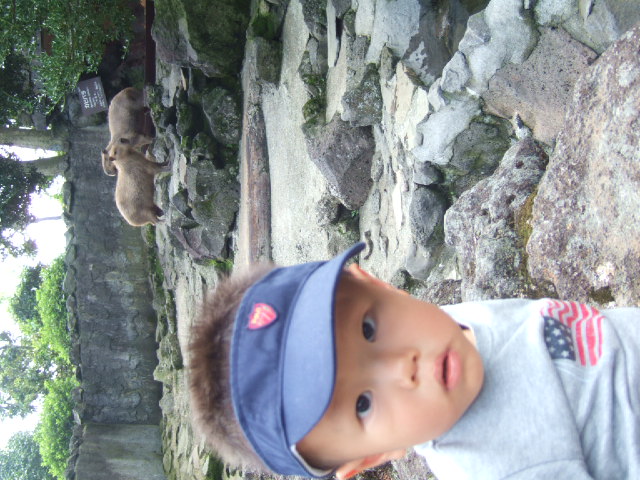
(92, 98)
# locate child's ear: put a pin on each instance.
(361, 274)
(354, 467)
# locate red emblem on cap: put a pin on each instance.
(261, 316)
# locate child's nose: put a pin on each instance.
(401, 368)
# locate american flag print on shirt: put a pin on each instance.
(573, 331)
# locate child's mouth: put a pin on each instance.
(449, 369)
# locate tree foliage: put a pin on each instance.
(43, 351)
(17, 182)
(22, 376)
(56, 423)
(24, 305)
(21, 459)
(79, 30)
(51, 305)
(16, 92)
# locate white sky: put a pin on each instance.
(49, 237)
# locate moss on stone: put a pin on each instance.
(222, 265)
(265, 25)
(522, 219)
(222, 23)
(602, 295)
(313, 111)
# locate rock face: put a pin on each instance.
(186, 31)
(198, 130)
(536, 90)
(586, 214)
(343, 155)
(485, 226)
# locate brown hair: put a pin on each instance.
(210, 389)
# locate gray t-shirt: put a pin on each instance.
(561, 397)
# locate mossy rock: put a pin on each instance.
(208, 34)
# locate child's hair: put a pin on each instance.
(210, 387)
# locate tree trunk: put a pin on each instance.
(30, 138)
(46, 219)
(50, 166)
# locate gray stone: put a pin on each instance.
(198, 241)
(362, 105)
(500, 34)
(477, 151)
(203, 147)
(439, 32)
(537, 90)
(214, 197)
(440, 130)
(586, 215)
(120, 452)
(455, 74)
(595, 24)
(185, 31)
(341, 7)
(426, 174)
(347, 73)
(314, 12)
(266, 55)
(222, 110)
(426, 212)
(481, 225)
(187, 118)
(411, 467)
(343, 154)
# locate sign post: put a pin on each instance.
(92, 97)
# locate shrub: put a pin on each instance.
(53, 311)
(56, 422)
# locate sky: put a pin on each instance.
(49, 237)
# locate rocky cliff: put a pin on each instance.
(481, 149)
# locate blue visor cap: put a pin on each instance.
(283, 359)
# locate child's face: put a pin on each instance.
(406, 373)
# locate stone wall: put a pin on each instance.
(110, 306)
(120, 452)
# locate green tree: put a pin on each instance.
(17, 95)
(21, 459)
(56, 423)
(42, 353)
(24, 305)
(52, 308)
(79, 32)
(17, 182)
(22, 375)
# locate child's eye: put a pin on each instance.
(369, 328)
(363, 404)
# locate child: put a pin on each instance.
(317, 369)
